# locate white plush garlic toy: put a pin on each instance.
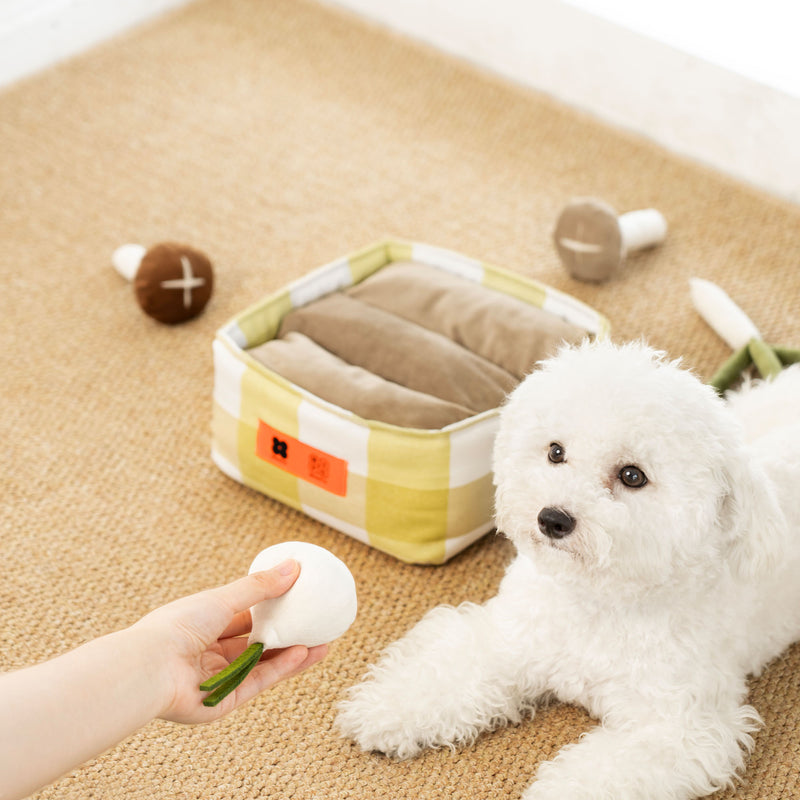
(320, 607)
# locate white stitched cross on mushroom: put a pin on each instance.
(188, 282)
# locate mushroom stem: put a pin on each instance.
(641, 229)
(127, 258)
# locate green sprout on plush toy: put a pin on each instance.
(768, 360)
(226, 681)
(738, 330)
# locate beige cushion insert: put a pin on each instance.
(401, 352)
(500, 328)
(414, 346)
(306, 364)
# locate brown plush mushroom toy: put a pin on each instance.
(172, 282)
(593, 241)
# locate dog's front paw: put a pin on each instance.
(553, 783)
(404, 708)
(559, 790)
(438, 686)
(377, 718)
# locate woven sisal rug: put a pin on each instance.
(276, 136)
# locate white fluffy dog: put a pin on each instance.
(657, 530)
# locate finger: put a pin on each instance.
(267, 673)
(232, 648)
(241, 624)
(246, 592)
(293, 665)
(279, 665)
(315, 655)
(285, 664)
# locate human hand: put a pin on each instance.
(201, 634)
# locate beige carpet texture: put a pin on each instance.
(276, 136)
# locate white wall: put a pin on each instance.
(37, 33)
(715, 80)
(757, 40)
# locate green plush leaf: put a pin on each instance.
(727, 374)
(767, 363)
(239, 667)
(787, 355)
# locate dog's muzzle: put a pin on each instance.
(556, 523)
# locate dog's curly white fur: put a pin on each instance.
(657, 530)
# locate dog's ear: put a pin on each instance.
(753, 523)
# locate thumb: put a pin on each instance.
(246, 592)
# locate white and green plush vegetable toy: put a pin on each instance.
(320, 607)
(738, 330)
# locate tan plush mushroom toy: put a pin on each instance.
(172, 282)
(592, 240)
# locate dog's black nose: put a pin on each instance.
(556, 523)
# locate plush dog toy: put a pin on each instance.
(657, 531)
(320, 607)
(738, 330)
(173, 282)
(593, 241)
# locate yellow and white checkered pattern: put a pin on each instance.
(419, 495)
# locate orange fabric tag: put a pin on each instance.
(301, 460)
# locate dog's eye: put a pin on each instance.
(633, 477)
(556, 454)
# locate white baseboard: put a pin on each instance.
(37, 33)
(692, 107)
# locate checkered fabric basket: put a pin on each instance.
(420, 495)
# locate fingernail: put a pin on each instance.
(287, 567)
